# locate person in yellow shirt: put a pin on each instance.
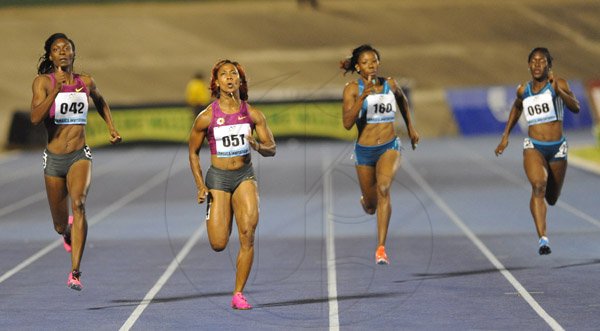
(196, 93)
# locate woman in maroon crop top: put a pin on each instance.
(230, 187)
(60, 101)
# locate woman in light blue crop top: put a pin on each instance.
(372, 103)
(542, 101)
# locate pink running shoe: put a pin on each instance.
(67, 241)
(74, 282)
(239, 302)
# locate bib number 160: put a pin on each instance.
(382, 108)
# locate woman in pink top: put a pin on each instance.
(60, 101)
(230, 187)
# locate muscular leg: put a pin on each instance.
(218, 224)
(556, 178)
(368, 188)
(78, 183)
(385, 171)
(537, 173)
(245, 206)
(56, 190)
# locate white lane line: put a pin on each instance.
(163, 279)
(584, 164)
(482, 248)
(41, 195)
(37, 197)
(584, 216)
(334, 319)
(19, 174)
(498, 170)
(138, 192)
(30, 260)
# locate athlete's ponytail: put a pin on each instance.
(349, 64)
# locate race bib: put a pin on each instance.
(539, 108)
(71, 108)
(381, 108)
(231, 140)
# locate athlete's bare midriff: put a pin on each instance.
(230, 163)
(64, 139)
(551, 131)
(376, 134)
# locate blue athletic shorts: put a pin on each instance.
(369, 155)
(551, 150)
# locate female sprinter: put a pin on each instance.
(60, 100)
(372, 103)
(545, 149)
(230, 187)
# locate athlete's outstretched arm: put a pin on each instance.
(402, 102)
(266, 142)
(352, 102)
(103, 109)
(196, 138)
(513, 118)
(42, 100)
(563, 89)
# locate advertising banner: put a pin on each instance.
(486, 110)
(173, 124)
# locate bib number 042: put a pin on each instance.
(75, 108)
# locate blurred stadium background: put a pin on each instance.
(461, 60)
